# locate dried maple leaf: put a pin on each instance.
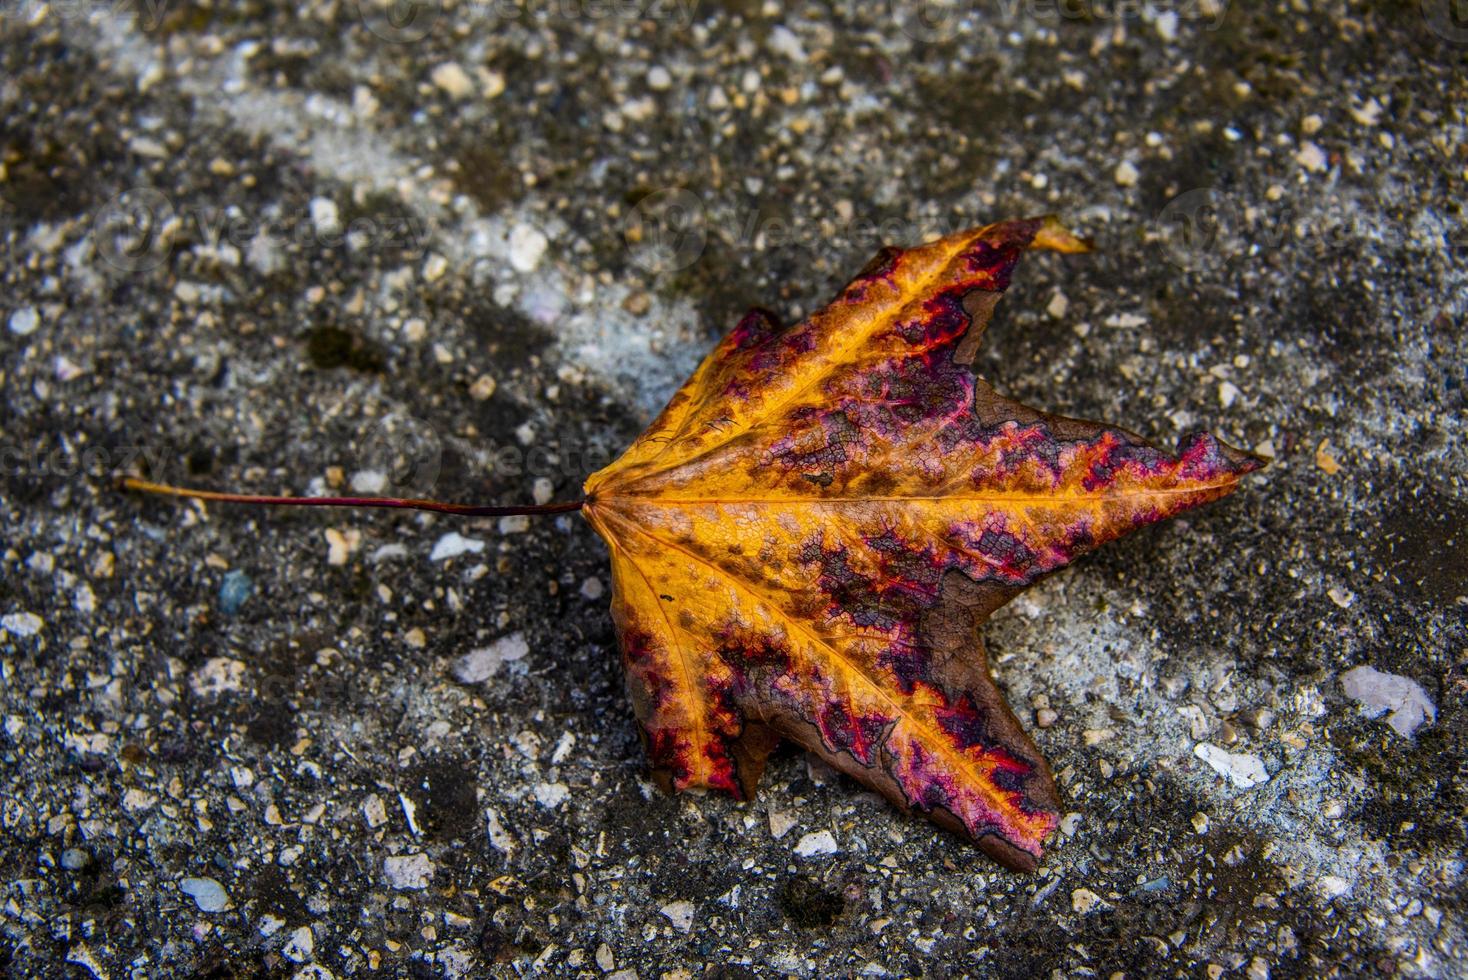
(804, 541)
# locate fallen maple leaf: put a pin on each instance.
(805, 541)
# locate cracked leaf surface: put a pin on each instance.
(805, 541)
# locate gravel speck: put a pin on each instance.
(527, 247)
(454, 544)
(478, 666)
(208, 894)
(1379, 692)
(680, 913)
(408, 872)
(22, 624)
(815, 844)
(300, 946)
(1242, 769)
(24, 321)
(234, 590)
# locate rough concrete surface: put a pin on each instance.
(469, 249)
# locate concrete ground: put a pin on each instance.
(469, 249)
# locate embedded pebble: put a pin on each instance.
(234, 589)
(680, 913)
(300, 947)
(527, 247)
(1242, 769)
(551, 795)
(22, 624)
(24, 321)
(453, 79)
(408, 872)
(1379, 692)
(816, 843)
(208, 894)
(478, 666)
(218, 675)
(454, 544)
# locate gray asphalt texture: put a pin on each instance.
(468, 250)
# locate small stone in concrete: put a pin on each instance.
(1379, 692)
(408, 872)
(208, 894)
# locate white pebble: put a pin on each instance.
(24, 321)
(208, 894)
(478, 666)
(453, 79)
(1126, 174)
(815, 844)
(1166, 25)
(374, 811)
(782, 41)
(527, 247)
(1228, 393)
(369, 481)
(1379, 692)
(217, 676)
(552, 795)
(454, 544)
(408, 872)
(680, 913)
(543, 490)
(325, 216)
(592, 589)
(1243, 770)
(1312, 158)
(22, 623)
(300, 947)
(1083, 900)
(658, 79)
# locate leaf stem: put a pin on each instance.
(397, 503)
